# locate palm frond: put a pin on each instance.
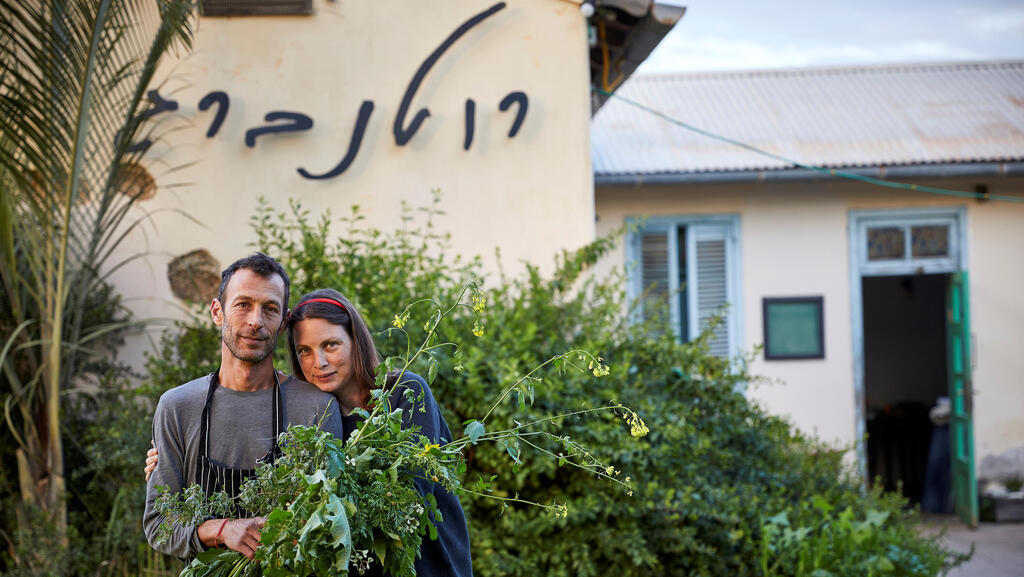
(72, 100)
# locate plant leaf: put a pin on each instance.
(474, 430)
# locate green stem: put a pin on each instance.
(358, 435)
(595, 468)
(239, 566)
(506, 499)
(492, 436)
(514, 385)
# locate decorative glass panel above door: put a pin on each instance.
(930, 241)
(886, 243)
(920, 241)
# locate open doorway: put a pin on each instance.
(905, 376)
(912, 347)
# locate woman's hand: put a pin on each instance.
(152, 456)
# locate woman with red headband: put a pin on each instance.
(331, 347)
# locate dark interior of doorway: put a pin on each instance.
(905, 375)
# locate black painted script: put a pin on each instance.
(403, 129)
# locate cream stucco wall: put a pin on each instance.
(530, 195)
(794, 241)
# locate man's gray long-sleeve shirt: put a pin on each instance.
(241, 432)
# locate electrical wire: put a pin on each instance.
(818, 169)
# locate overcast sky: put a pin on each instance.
(754, 34)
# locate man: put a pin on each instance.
(216, 429)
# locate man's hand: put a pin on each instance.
(242, 535)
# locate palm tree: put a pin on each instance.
(73, 80)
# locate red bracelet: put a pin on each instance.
(219, 532)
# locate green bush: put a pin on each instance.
(712, 478)
(105, 428)
(841, 543)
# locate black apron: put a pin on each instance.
(213, 477)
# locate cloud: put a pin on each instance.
(707, 53)
(998, 23)
(930, 50)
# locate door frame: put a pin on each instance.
(860, 268)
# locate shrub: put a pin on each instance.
(712, 478)
(105, 427)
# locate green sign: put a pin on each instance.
(794, 328)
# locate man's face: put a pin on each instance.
(251, 315)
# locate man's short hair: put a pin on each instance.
(260, 264)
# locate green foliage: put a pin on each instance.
(1014, 484)
(72, 92)
(327, 504)
(337, 506)
(834, 543)
(107, 428)
(712, 469)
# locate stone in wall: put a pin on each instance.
(194, 276)
(135, 181)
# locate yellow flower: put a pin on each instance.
(637, 427)
(429, 447)
(478, 329)
(479, 302)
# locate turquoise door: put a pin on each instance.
(958, 339)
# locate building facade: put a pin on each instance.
(853, 290)
(372, 105)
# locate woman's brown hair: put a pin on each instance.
(365, 357)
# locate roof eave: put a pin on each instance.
(904, 172)
(651, 26)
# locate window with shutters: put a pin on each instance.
(685, 270)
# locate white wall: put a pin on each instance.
(530, 195)
(996, 264)
(794, 242)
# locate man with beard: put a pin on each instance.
(216, 429)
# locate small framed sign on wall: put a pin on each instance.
(794, 328)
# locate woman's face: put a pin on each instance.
(325, 356)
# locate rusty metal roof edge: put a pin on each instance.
(914, 171)
(834, 69)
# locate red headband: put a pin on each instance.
(321, 300)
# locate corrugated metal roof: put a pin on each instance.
(834, 117)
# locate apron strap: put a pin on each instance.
(278, 408)
(204, 421)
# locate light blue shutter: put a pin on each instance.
(655, 280)
(709, 271)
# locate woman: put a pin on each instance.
(331, 347)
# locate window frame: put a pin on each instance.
(636, 226)
(907, 219)
(256, 8)
(766, 303)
